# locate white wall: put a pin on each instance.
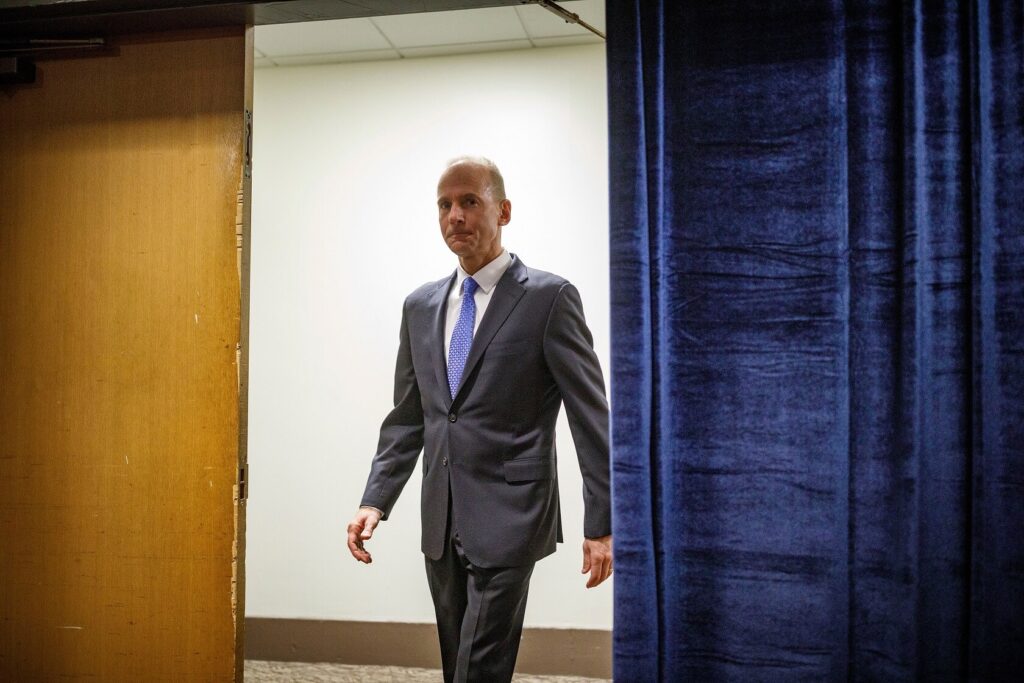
(344, 226)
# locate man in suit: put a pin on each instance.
(486, 357)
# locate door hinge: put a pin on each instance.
(248, 144)
(243, 482)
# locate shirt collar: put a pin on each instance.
(488, 276)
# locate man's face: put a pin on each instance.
(470, 216)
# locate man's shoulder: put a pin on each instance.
(535, 279)
(424, 292)
(543, 280)
(547, 285)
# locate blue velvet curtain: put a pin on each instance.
(817, 245)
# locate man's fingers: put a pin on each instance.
(596, 572)
(597, 559)
(356, 549)
(356, 535)
(353, 536)
(355, 546)
(599, 572)
(360, 553)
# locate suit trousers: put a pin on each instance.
(479, 615)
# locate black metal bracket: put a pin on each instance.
(47, 47)
(17, 70)
(569, 17)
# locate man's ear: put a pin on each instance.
(504, 212)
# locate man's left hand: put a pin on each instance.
(597, 559)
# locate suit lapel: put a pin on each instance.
(439, 302)
(506, 295)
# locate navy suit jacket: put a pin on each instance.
(492, 447)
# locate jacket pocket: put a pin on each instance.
(513, 348)
(529, 469)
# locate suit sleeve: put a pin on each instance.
(401, 434)
(569, 353)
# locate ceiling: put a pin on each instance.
(425, 34)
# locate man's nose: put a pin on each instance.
(455, 215)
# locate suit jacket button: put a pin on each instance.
(444, 461)
(452, 417)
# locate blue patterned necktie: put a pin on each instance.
(462, 335)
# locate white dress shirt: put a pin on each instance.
(487, 278)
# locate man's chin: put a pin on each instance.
(460, 247)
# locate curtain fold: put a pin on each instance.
(817, 262)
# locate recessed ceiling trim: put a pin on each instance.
(523, 24)
(386, 39)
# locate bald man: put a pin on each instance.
(487, 356)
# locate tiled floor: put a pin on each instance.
(298, 672)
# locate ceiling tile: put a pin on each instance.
(319, 37)
(465, 48)
(540, 23)
(451, 28)
(424, 34)
(262, 62)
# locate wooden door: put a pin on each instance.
(123, 213)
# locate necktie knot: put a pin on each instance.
(469, 285)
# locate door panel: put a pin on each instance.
(121, 311)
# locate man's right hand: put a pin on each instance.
(360, 529)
